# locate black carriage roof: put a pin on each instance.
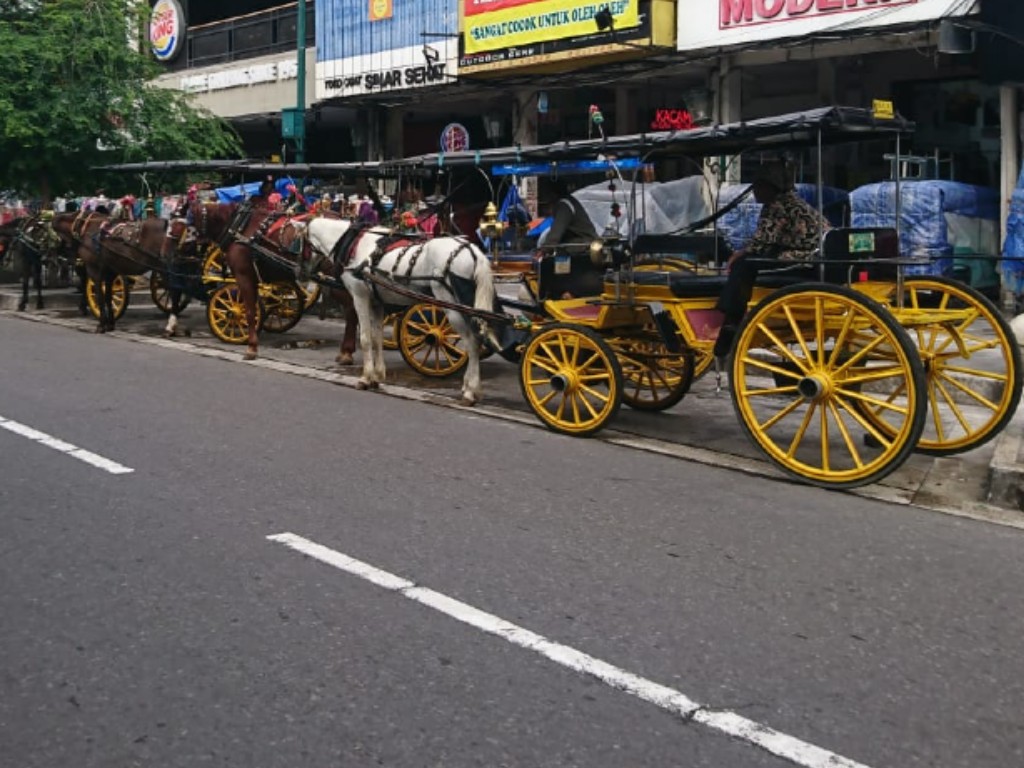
(251, 167)
(832, 125)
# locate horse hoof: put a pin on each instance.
(345, 358)
(249, 356)
(363, 385)
(39, 305)
(468, 401)
(169, 334)
(188, 334)
(21, 307)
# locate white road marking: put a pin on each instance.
(59, 445)
(669, 699)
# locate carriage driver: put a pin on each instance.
(570, 224)
(788, 229)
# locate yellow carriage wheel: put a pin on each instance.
(428, 342)
(225, 314)
(653, 378)
(571, 379)
(283, 306)
(310, 294)
(214, 266)
(392, 321)
(971, 359)
(120, 296)
(807, 362)
(160, 292)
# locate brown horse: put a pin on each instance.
(109, 247)
(17, 242)
(236, 228)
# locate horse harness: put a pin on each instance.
(344, 250)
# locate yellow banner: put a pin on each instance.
(543, 20)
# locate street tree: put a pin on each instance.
(77, 91)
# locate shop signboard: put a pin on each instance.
(504, 34)
(166, 29)
(498, 24)
(241, 77)
(716, 23)
(371, 47)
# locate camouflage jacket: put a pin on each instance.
(787, 229)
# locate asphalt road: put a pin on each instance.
(148, 619)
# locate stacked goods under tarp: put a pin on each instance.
(952, 228)
(738, 225)
(657, 207)
(1013, 248)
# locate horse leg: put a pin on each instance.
(107, 295)
(39, 283)
(348, 343)
(25, 272)
(365, 313)
(247, 287)
(171, 329)
(377, 334)
(471, 389)
(83, 302)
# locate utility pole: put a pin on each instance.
(300, 101)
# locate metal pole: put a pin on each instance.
(300, 100)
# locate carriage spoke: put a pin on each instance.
(805, 424)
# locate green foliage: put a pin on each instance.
(76, 93)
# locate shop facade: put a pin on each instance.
(928, 57)
(396, 62)
(245, 68)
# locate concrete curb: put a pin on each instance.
(1006, 470)
(1004, 483)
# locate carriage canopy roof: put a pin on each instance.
(830, 125)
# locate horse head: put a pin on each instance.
(181, 241)
(323, 236)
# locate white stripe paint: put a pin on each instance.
(669, 699)
(59, 445)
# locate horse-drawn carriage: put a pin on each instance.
(836, 379)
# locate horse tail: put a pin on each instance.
(483, 278)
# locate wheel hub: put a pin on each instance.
(564, 381)
(814, 386)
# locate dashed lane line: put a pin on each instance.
(59, 445)
(780, 744)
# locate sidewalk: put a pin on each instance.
(986, 483)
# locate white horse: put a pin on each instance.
(435, 265)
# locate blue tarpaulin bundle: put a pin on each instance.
(1013, 247)
(938, 219)
(240, 192)
(738, 225)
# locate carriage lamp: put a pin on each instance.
(490, 227)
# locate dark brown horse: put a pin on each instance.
(109, 247)
(236, 228)
(31, 242)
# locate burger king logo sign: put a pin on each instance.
(166, 29)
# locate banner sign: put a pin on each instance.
(494, 24)
(359, 51)
(381, 10)
(166, 29)
(568, 166)
(716, 23)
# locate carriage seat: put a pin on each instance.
(699, 247)
(683, 285)
(845, 247)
